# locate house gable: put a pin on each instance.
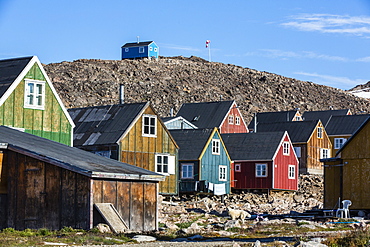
(50, 121)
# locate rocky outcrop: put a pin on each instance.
(171, 81)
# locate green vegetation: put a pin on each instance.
(355, 239)
(67, 235)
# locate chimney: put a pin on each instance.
(255, 123)
(138, 39)
(121, 94)
(171, 112)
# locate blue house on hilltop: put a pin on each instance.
(148, 49)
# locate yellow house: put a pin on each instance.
(347, 175)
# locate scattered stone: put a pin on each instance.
(232, 224)
(103, 228)
(144, 238)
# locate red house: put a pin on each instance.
(224, 115)
(264, 161)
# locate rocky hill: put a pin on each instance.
(171, 81)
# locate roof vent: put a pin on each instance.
(196, 118)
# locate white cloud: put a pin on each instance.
(326, 23)
(177, 47)
(332, 81)
(273, 53)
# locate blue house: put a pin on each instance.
(204, 162)
(134, 50)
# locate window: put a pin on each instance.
(222, 173)
(319, 132)
(34, 96)
(298, 118)
(155, 49)
(141, 49)
(165, 163)
(103, 153)
(324, 153)
(215, 146)
(297, 151)
(231, 119)
(238, 168)
(150, 48)
(261, 170)
(237, 120)
(187, 170)
(127, 49)
(291, 172)
(338, 142)
(149, 125)
(286, 148)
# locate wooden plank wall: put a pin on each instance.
(42, 195)
(135, 201)
(313, 149)
(50, 123)
(140, 151)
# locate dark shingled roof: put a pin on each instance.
(136, 44)
(71, 158)
(103, 124)
(253, 146)
(299, 131)
(205, 114)
(10, 70)
(191, 142)
(345, 125)
(324, 116)
(273, 117)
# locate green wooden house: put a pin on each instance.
(30, 103)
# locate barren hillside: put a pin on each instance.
(170, 81)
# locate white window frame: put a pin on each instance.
(141, 49)
(320, 132)
(237, 167)
(286, 148)
(34, 94)
(165, 164)
(260, 172)
(297, 151)
(150, 48)
(149, 132)
(155, 49)
(339, 142)
(231, 119)
(185, 170)
(216, 146)
(291, 172)
(222, 173)
(324, 153)
(237, 120)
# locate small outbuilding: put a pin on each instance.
(146, 49)
(46, 184)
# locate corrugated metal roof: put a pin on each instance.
(191, 142)
(324, 116)
(345, 125)
(136, 44)
(299, 131)
(252, 146)
(9, 71)
(273, 117)
(72, 158)
(103, 124)
(205, 114)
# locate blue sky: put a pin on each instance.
(326, 42)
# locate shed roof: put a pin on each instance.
(71, 158)
(324, 116)
(10, 70)
(106, 124)
(168, 120)
(206, 114)
(345, 125)
(137, 44)
(299, 131)
(191, 142)
(253, 146)
(273, 117)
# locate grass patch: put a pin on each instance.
(353, 239)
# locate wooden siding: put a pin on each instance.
(139, 150)
(246, 178)
(331, 138)
(136, 202)
(281, 169)
(41, 195)
(312, 163)
(333, 184)
(209, 164)
(50, 123)
(226, 127)
(356, 169)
